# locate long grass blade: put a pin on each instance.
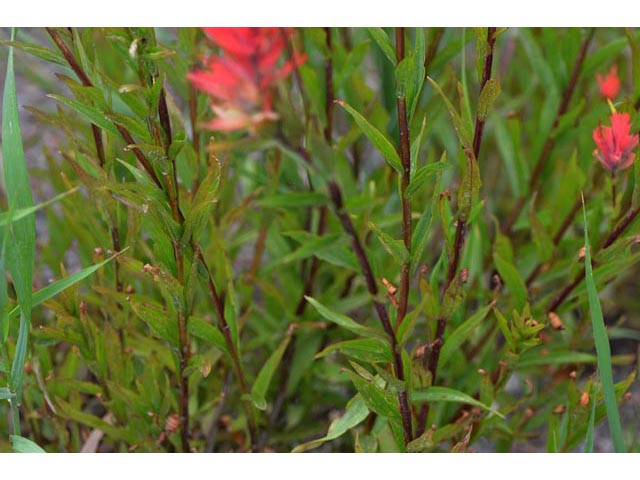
(22, 233)
(603, 351)
(58, 286)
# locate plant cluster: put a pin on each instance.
(329, 239)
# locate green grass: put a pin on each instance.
(603, 350)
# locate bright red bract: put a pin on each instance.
(240, 78)
(610, 84)
(615, 143)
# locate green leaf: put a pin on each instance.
(488, 96)
(22, 233)
(416, 144)
(37, 51)
(469, 186)
(535, 359)
(200, 212)
(94, 115)
(383, 41)
(379, 140)
(458, 124)
(294, 199)
(66, 410)
(344, 321)
(363, 350)
(444, 394)
(20, 213)
(58, 286)
(417, 74)
(355, 414)
(311, 247)
(509, 273)
(503, 260)
(423, 174)
(420, 236)
(4, 298)
(261, 385)
(457, 338)
(380, 401)
(207, 332)
(603, 349)
(5, 393)
(395, 248)
(24, 445)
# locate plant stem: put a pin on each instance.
(404, 152)
(548, 145)
(613, 190)
(367, 272)
(458, 246)
(405, 157)
(224, 328)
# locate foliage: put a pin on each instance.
(382, 255)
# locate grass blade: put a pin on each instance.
(58, 286)
(22, 233)
(6, 218)
(24, 445)
(603, 351)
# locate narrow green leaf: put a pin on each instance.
(5, 393)
(58, 286)
(344, 321)
(416, 144)
(488, 96)
(20, 213)
(444, 394)
(383, 41)
(422, 175)
(22, 233)
(261, 385)
(469, 186)
(379, 140)
(294, 199)
(420, 236)
(37, 51)
(383, 402)
(603, 349)
(394, 247)
(95, 116)
(207, 332)
(24, 445)
(455, 340)
(311, 247)
(458, 124)
(355, 414)
(418, 73)
(362, 350)
(509, 273)
(534, 359)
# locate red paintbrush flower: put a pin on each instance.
(615, 143)
(610, 84)
(240, 79)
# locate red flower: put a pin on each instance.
(615, 143)
(610, 84)
(240, 79)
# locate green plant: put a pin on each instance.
(323, 238)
